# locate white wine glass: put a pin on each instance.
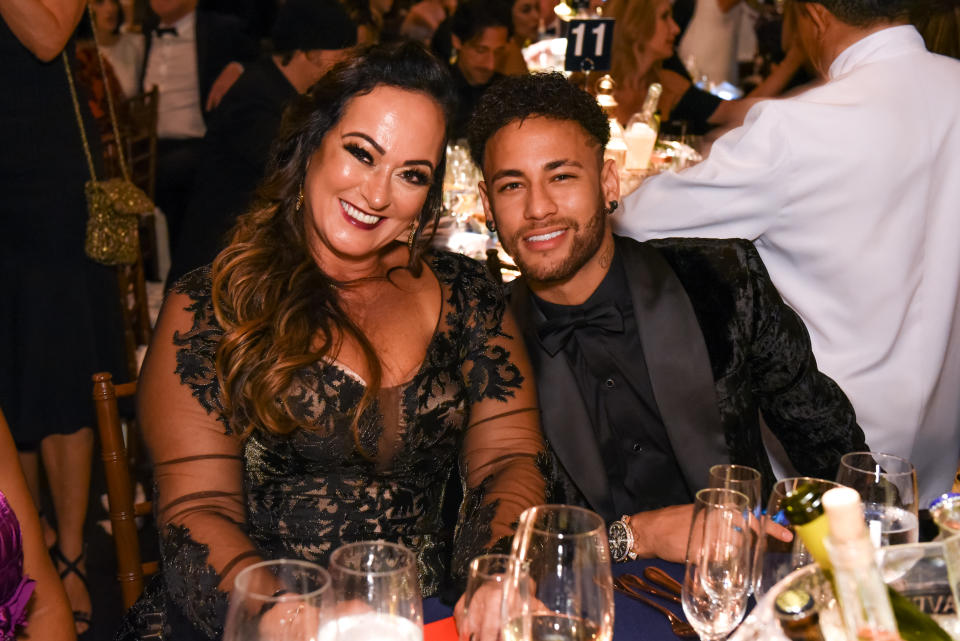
(377, 591)
(888, 487)
(562, 588)
(280, 600)
(717, 574)
(483, 599)
(745, 480)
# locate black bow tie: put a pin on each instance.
(555, 333)
(166, 31)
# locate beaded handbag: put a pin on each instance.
(113, 206)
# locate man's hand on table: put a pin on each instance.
(663, 533)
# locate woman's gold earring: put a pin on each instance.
(413, 236)
(300, 198)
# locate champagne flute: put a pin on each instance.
(888, 487)
(745, 480)
(378, 594)
(567, 590)
(483, 598)
(281, 600)
(779, 557)
(717, 574)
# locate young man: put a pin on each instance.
(653, 360)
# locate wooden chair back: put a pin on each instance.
(131, 570)
(135, 308)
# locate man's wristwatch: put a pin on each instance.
(621, 540)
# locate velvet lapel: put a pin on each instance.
(677, 360)
(566, 423)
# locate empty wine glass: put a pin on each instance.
(780, 550)
(888, 486)
(745, 480)
(567, 591)
(282, 600)
(377, 591)
(717, 574)
(483, 598)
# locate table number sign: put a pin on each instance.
(589, 44)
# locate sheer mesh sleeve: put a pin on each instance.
(503, 458)
(197, 460)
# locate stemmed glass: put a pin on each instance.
(717, 575)
(483, 599)
(378, 595)
(888, 486)
(780, 554)
(567, 590)
(745, 480)
(282, 600)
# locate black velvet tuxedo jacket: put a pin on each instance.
(220, 41)
(721, 346)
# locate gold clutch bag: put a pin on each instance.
(113, 216)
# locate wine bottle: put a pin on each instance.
(857, 583)
(804, 508)
(641, 132)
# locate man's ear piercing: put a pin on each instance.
(612, 207)
(491, 226)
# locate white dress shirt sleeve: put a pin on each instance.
(739, 191)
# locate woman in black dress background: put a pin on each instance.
(59, 316)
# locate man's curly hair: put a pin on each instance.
(547, 95)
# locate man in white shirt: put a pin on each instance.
(851, 193)
(192, 57)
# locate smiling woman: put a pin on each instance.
(318, 383)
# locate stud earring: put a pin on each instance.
(612, 207)
(411, 239)
(491, 225)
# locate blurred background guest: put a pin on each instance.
(309, 37)
(60, 320)
(525, 25)
(643, 47)
(368, 15)
(124, 50)
(939, 23)
(192, 57)
(424, 17)
(709, 43)
(479, 30)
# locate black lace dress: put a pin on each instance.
(225, 502)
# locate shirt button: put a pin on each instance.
(610, 383)
(637, 447)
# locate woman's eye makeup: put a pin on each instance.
(417, 177)
(359, 152)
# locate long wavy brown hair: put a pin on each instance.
(279, 310)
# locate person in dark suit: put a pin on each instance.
(193, 57)
(654, 360)
(309, 37)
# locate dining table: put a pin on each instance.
(632, 620)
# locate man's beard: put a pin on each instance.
(586, 243)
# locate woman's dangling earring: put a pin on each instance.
(413, 236)
(300, 198)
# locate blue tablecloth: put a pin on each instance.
(632, 619)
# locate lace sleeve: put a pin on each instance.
(197, 462)
(503, 459)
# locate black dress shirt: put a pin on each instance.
(467, 98)
(612, 377)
